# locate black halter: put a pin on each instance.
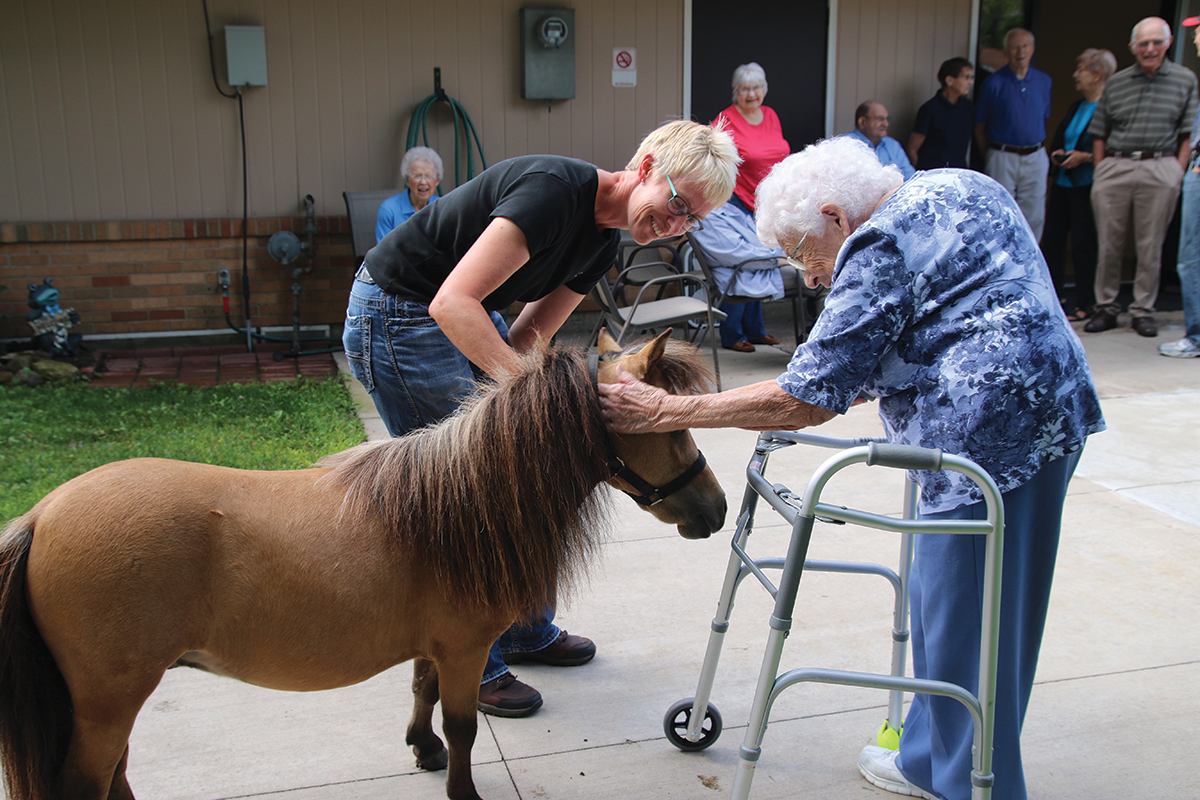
(648, 494)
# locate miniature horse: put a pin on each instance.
(425, 547)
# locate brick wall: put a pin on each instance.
(161, 275)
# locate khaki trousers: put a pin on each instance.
(1143, 192)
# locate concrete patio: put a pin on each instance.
(1111, 716)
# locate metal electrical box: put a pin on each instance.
(246, 55)
(547, 53)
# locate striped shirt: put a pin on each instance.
(1139, 112)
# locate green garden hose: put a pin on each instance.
(467, 128)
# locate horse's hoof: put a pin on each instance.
(435, 762)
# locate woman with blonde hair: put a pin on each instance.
(423, 322)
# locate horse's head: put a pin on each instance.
(664, 472)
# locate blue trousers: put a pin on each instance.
(742, 321)
(946, 604)
(417, 377)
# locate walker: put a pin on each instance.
(694, 724)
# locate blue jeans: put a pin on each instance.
(946, 604)
(417, 377)
(1188, 265)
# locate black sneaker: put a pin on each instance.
(508, 697)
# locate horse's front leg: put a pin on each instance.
(459, 683)
(427, 747)
(120, 786)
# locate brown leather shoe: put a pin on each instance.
(508, 697)
(1145, 326)
(567, 650)
(1103, 321)
(768, 339)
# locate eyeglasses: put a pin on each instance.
(418, 178)
(680, 208)
(791, 258)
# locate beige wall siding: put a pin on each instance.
(890, 51)
(110, 113)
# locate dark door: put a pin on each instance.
(786, 37)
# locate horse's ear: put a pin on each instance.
(606, 342)
(644, 360)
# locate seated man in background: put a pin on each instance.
(871, 126)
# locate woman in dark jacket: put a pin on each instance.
(1069, 202)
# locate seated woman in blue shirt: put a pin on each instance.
(421, 171)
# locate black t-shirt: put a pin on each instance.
(947, 130)
(550, 198)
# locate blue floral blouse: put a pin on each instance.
(942, 307)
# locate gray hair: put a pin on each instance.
(843, 171)
(1166, 27)
(427, 154)
(1098, 61)
(1014, 32)
(748, 75)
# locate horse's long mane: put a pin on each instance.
(499, 496)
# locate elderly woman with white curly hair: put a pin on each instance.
(942, 308)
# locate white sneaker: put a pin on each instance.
(1184, 348)
(878, 766)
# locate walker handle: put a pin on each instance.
(903, 456)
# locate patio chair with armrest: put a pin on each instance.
(794, 289)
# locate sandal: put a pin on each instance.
(742, 347)
(766, 338)
(1080, 315)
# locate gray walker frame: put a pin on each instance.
(685, 721)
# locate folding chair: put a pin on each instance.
(650, 315)
(793, 285)
(642, 262)
(363, 210)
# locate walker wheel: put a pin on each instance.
(675, 724)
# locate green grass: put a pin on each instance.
(50, 435)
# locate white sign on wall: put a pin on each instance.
(624, 67)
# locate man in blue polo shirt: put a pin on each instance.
(871, 126)
(1010, 127)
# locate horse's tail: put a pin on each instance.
(35, 705)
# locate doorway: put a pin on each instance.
(786, 37)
